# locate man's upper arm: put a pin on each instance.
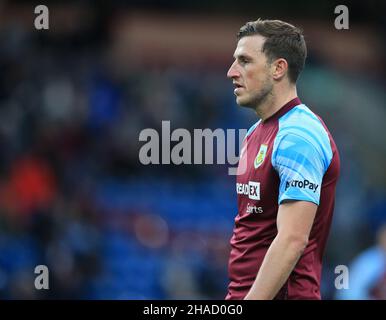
(295, 219)
(301, 164)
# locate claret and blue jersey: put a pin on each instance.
(289, 156)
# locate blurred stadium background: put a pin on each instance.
(73, 99)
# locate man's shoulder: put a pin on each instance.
(301, 121)
(300, 129)
(301, 117)
(252, 128)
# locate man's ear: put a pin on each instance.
(280, 68)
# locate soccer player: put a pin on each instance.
(286, 190)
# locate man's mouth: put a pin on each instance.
(238, 87)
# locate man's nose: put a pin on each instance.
(232, 72)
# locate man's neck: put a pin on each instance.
(274, 103)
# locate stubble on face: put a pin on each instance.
(257, 98)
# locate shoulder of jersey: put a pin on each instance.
(302, 122)
(250, 130)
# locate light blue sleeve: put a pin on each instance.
(301, 164)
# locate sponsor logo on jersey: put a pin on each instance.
(254, 209)
(260, 156)
(252, 189)
(305, 184)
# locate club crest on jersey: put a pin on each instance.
(260, 156)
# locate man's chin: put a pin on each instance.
(243, 103)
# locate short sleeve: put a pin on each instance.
(301, 166)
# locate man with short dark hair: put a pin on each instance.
(288, 170)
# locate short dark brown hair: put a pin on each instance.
(282, 40)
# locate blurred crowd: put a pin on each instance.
(74, 196)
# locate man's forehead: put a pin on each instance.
(249, 45)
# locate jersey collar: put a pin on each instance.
(284, 109)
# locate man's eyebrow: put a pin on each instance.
(242, 56)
